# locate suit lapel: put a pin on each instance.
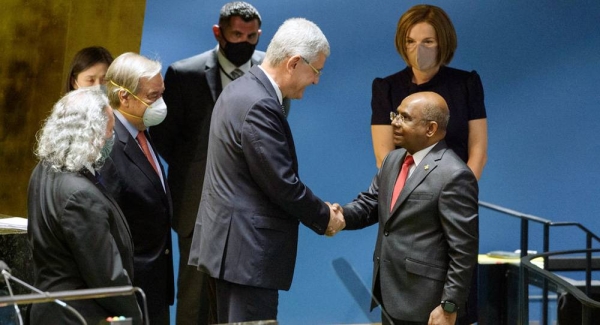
(425, 167)
(213, 77)
(134, 153)
(389, 173)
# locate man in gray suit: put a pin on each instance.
(253, 200)
(428, 239)
(192, 88)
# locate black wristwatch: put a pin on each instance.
(449, 306)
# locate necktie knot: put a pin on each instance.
(408, 161)
(236, 73)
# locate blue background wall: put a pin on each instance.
(540, 66)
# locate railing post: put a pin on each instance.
(585, 315)
(545, 281)
(588, 265)
(524, 276)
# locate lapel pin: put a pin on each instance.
(426, 167)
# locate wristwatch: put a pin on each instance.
(449, 306)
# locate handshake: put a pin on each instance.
(336, 219)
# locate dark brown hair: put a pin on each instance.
(83, 60)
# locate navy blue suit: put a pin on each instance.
(253, 199)
(192, 86)
(134, 184)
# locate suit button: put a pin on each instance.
(386, 233)
(167, 251)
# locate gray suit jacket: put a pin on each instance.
(192, 87)
(427, 245)
(252, 201)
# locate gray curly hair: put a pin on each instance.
(74, 133)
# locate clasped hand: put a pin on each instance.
(336, 219)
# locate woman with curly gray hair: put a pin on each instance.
(78, 235)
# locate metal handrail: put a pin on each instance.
(523, 276)
(587, 303)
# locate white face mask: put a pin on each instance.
(425, 57)
(155, 113)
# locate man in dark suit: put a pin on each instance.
(192, 88)
(246, 233)
(427, 242)
(136, 179)
(78, 235)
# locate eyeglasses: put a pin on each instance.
(317, 71)
(403, 119)
(394, 116)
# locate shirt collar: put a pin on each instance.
(130, 128)
(419, 155)
(90, 168)
(277, 90)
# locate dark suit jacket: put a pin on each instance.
(192, 87)
(252, 201)
(80, 240)
(137, 188)
(427, 245)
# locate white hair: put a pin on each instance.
(73, 135)
(297, 36)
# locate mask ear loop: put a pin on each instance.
(129, 91)
(136, 97)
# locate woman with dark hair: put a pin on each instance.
(88, 68)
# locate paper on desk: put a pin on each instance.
(13, 223)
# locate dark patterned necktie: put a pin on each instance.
(236, 73)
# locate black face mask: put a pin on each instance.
(237, 53)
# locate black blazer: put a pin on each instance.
(252, 201)
(137, 188)
(427, 245)
(80, 240)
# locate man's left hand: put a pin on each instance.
(439, 317)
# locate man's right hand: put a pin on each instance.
(336, 219)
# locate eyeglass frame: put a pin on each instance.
(394, 116)
(318, 72)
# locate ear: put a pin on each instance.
(432, 127)
(217, 32)
(292, 63)
(123, 98)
